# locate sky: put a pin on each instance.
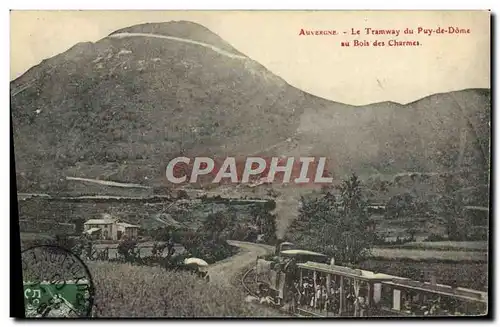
(316, 64)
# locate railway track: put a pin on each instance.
(245, 286)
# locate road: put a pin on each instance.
(228, 273)
(178, 39)
(224, 272)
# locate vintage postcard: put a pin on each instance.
(251, 163)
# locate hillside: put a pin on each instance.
(120, 108)
(124, 106)
(440, 133)
(181, 29)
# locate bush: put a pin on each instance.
(208, 249)
(182, 194)
(435, 238)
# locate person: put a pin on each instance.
(154, 250)
(407, 306)
(297, 294)
(350, 303)
(291, 295)
(362, 306)
(305, 292)
(317, 299)
(325, 298)
(170, 246)
(335, 301)
(309, 294)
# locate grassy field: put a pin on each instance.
(123, 290)
(468, 274)
(26, 236)
(474, 246)
(429, 254)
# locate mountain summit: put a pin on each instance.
(122, 107)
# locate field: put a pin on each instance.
(443, 250)
(446, 246)
(468, 274)
(416, 254)
(123, 290)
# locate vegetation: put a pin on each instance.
(466, 273)
(338, 227)
(127, 249)
(208, 241)
(427, 254)
(453, 211)
(407, 205)
(445, 246)
(123, 290)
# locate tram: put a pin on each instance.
(330, 290)
(305, 284)
(414, 298)
(275, 275)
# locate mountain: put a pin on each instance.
(122, 107)
(445, 132)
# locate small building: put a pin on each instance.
(128, 230)
(104, 229)
(110, 229)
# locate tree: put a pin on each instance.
(451, 207)
(400, 205)
(336, 227)
(63, 241)
(453, 212)
(158, 249)
(126, 248)
(265, 221)
(79, 225)
(351, 198)
(412, 231)
(216, 223)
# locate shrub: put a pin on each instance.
(435, 238)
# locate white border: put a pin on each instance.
(181, 5)
(254, 5)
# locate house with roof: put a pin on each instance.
(127, 230)
(110, 229)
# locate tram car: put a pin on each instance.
(415, 298)
(307, 284)
(328, 290)
(275, 274)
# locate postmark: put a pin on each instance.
(56, 283)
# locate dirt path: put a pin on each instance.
(173, 38)
(107, 183)
(225, 271)
(228, 273)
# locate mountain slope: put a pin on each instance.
(138, 101)
(440, 133)
(122, 107)
(182, 29)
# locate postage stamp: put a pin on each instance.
(56, 283)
